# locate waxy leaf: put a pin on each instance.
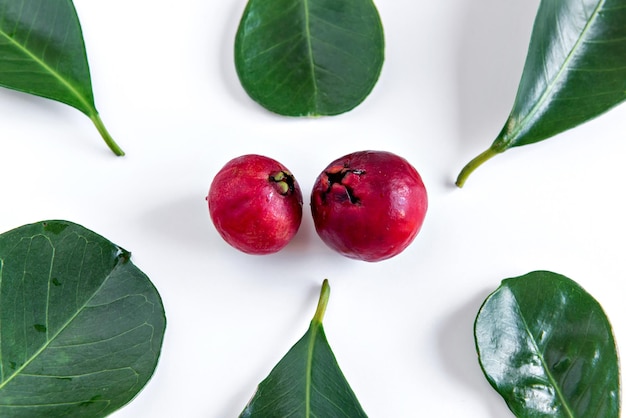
(575, 70)
(42, 52)
(81, 327)
(307, 382)
(309, 57)
(547, 347)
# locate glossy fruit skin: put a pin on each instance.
(369, 205)
(255, 204)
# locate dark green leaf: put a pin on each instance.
(575, 70)
(309, 57)
(42, 52)
(307, 382)
(547, 347)
(81, 327)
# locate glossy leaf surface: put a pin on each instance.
(309, 57)
(42, 52)
(575, 70)
(307, 382)
(547, 347)
(81, 327)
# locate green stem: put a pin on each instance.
(323, 302)
(95, 118)
(473, 165)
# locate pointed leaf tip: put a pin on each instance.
(43, 54)
(575, 70)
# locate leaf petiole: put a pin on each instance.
(95, 118)
(322, 303)
(474, 164)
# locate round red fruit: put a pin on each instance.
(255, 204)
(369, 205)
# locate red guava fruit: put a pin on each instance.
(255, 204)
(369, 205)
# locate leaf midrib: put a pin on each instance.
(309, 41)
(1, 276)
(88, 108)
(510, 136)
(62, 328)
(551, 378)
(308, 385)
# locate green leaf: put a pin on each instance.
(42, 52)
(547, 347)
(309, 57)
(575, 70)
(81, 327)
(307, 382)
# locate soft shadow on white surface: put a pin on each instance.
(305, 238)
(457, 348)
(266, 355)
(228, 74)
(31, 118)
(493, 40)
(234, 407)
(181, 221)
(185, 223)
(13, 99)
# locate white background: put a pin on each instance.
(165, 85)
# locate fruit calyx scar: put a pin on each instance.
(284, 181)
(339, 180)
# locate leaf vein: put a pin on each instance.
(541, 358)
(28, 361)
(552, 83)
(22, 47)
